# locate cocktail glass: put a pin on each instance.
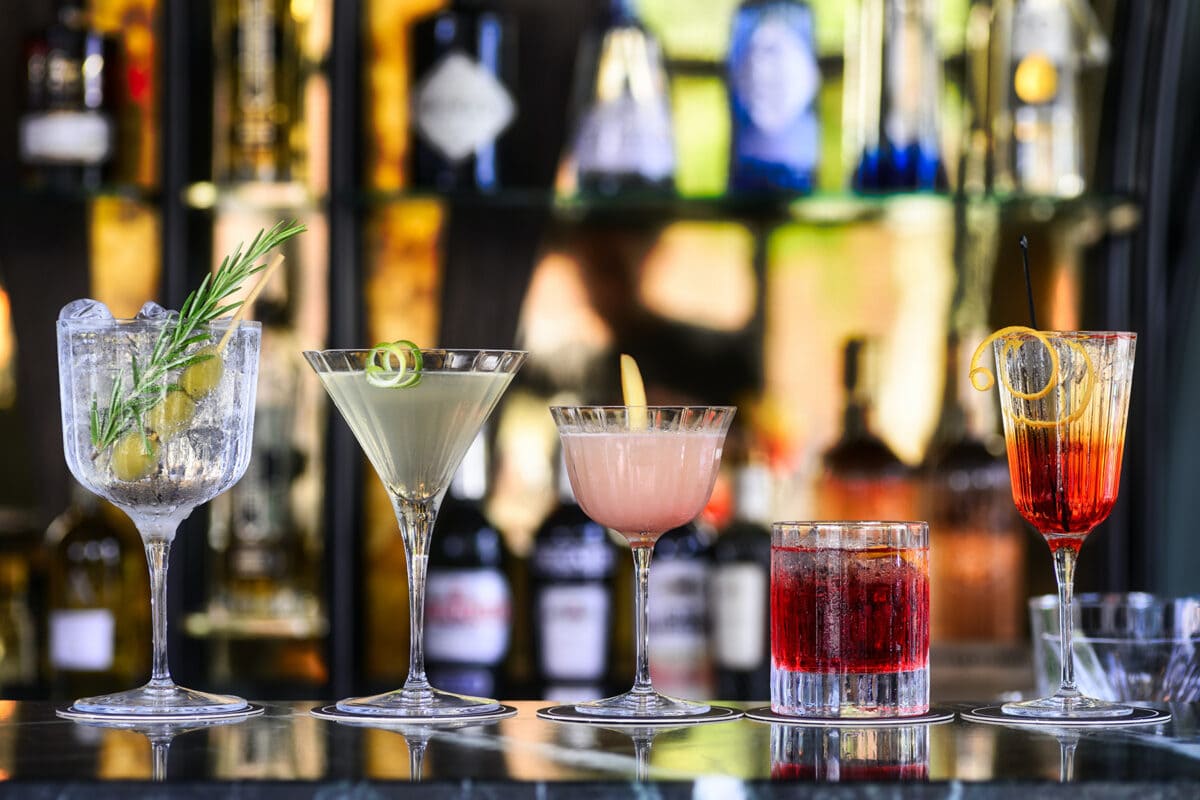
(415, 435)
(642, 470)
(191, 447)
(850, 619)
(1064, 397)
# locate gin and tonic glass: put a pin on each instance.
(189, 443)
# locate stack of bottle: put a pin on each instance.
(623, 140)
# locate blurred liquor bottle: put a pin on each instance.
(739, 590)
(257, 101)
(623, 137)
(893, 86)
(572, 572)
(863, 478)
(264, 617)
(132, 24)
(468, 593)
(67, 135)
(20, 570)
(774, 80)
(98, 600)
(1042, 49)
(977, 543)
(680, 658)
(463, 109)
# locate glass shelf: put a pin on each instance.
(122, 191)
(1107, 214)
(253, 196)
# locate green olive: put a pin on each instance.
(171, 414)
(201, 378)
(134, 456)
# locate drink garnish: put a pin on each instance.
(1053, 380)
(126, 410)
(634, 392)
(388, 367)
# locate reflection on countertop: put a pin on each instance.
(287, 752)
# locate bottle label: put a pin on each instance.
(460, 107)
(66, 137)
(256, 73)
(574, 632)
(591, 561)
(625, 136)
(739, 611)
(775, 78)
(468, 614)
(679, 661)
(82, 639)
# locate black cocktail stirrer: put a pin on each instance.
(1028, 283)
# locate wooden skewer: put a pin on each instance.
(276, 262)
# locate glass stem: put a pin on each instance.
(416, 523)
(1064, 573)
(158, 552)
(641, 599)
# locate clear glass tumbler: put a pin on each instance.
(850, 619)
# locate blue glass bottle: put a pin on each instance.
(774, 80)
(894, 77)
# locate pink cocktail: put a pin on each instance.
(642, 484)
(642, 470)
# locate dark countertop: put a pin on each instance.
(288, 753)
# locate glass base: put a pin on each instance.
(642, 704)
(1057, 707)
(849, 694)
(407, 704)
(151, 702)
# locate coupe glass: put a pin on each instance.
(415, 435)
(197, 452)
(642, 470)
(1064, 397)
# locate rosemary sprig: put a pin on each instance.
(126, 410)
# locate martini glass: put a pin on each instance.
(1065, 398)
(642, 470)
(191, 448)
(415, 435)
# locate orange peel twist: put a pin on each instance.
(1052, 380)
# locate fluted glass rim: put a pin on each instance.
(1084, 335)
(853, 534)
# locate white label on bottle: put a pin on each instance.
(460, 107)
(82, 639)
(777, 78)
(467, 616)
(65, 137)
(679, 662)
(625, 136)
(739, 609)
(574, 631)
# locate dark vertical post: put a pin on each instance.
(343, 470)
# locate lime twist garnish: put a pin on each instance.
(387, 364)
(1052, 380)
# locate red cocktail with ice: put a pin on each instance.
(850, 619)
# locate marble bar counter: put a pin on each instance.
(288, 753)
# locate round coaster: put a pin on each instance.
(994, 715)
(568, 713)
(331, 712)
(935, 716)
(251, 710)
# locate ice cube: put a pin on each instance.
(155, 313)
(86, 308)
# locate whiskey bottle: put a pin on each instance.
(98, 600)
